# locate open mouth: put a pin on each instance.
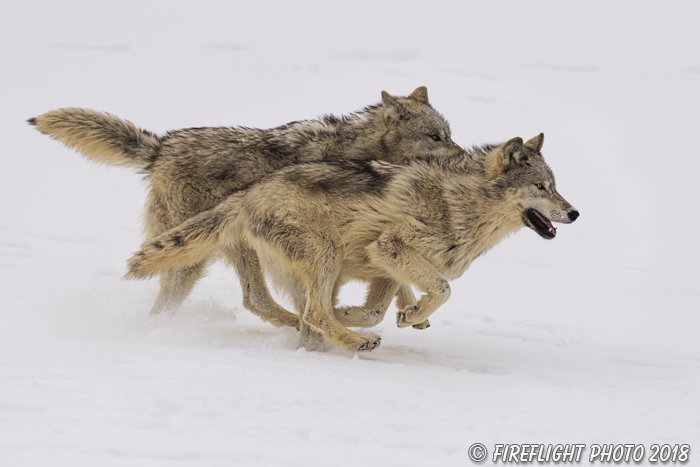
(540, 224)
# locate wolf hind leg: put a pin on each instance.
(318, 315)
(256, 295)
(175, 286)
(181, 253)
(309, 338)
(317, 272)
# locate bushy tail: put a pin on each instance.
(99, 136)
(190, 243)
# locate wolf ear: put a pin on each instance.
(512, 152)
(392, 109)
(420, 94)
(536, 143)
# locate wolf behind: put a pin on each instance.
(317, 225)
(192, 170)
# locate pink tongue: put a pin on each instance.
(552, 229)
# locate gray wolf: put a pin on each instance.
(315, 226)
(192, 170)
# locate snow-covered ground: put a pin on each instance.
(589, 338)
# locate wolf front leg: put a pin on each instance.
(381, 292)
(403, 262)
(256, 295)
(405, 299)
(379, 298)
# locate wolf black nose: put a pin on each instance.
(573, 215)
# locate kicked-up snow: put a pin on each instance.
(589, 338)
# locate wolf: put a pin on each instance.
(317, 225)
(192, 170)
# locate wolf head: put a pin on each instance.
(531, 188)
(414, 128)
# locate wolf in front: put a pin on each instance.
(317, 225)
(192, 170)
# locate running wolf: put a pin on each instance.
(317, 225)
(192, 170)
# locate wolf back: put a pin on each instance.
(192, 170)
(422, 224)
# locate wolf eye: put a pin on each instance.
(435, 137)
(540, 186)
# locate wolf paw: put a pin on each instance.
(403, 318)
(371, 344)
(359, 316)
(424, 325)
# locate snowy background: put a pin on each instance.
(589, 338)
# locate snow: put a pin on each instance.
(588, 338)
